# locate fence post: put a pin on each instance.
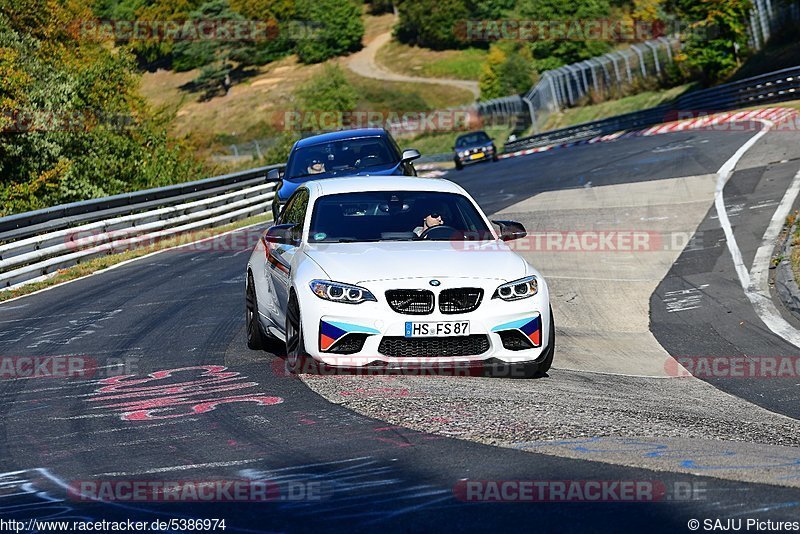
(654, 48)
(534, 125)
(641, 60)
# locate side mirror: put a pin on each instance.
(281, 234)
(510, 230)
(273, 175)
(410, 154)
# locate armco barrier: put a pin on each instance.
(38, 243)
(770, 88)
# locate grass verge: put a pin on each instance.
(104, 262)
(637, 102)
(423, 62)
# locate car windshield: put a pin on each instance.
(395, 216)
(472, 139)
(342, 155)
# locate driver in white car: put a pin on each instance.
(433, 219)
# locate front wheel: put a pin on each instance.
(255, 341)
(296, 356)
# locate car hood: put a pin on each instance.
(473, 145)
(288, 185)
(363, 262)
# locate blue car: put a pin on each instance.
(360, 152)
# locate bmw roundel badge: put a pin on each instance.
(435, 283)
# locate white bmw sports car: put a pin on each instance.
(396, 272)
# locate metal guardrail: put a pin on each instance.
(567, 85)
(35, 244)
(768, 88)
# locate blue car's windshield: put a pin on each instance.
(393, 216)
(342, 156)
(472, 139)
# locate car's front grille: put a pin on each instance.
(515, 340)
(460, 300)
(434, 346)
(349, 344)
(410, 301)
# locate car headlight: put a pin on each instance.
(463, 153)
(488, 149)
(339, 292)
(518, 289)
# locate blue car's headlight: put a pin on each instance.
(339, 292)
(518, 289)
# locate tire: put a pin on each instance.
(459, 166)
(296, 355)
(255, 339)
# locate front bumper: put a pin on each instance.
(467, 160)
(326, 326)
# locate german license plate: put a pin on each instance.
(437, 329)
(479, 155)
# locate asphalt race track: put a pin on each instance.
(197, 405)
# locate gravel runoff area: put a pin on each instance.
(565, 405)
(538, 415)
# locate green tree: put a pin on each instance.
(490, 84)
(507, 70)
(325, 101)
(337, 29)
(191, 54)
(439, 24)
(719, 27)
(74, 126)
(328, 91)
(281, 35)
(378, 7)
(431, 23)
(550, 54)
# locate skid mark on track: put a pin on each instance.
(362, 489)
(36, 494)
(179, 468)
(75, 330)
